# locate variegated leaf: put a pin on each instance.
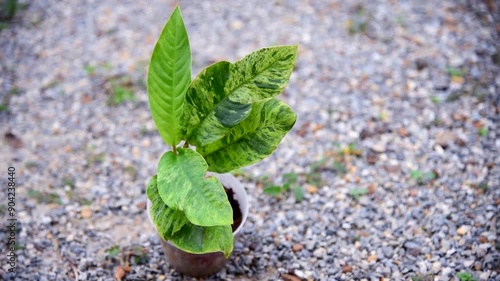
(182, 186)
(167, 220)
(253, 139)
(201, 239)
(220, 97)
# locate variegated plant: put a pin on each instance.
(229, 113)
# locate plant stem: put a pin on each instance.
(175, 149)
(186, 144)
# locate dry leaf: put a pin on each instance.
(347, 268)
(119, 273)
(13, 140)
(290, 277)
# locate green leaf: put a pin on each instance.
(299, 193)
(429, 176)
(272, 190)
(199, 240)
(253, 139)
(167, 220)
(113, 251)
(169, 78)
(173, 225)
(290, 178)
(356, 193)
(416, 174)
(182, 186)
(455, 72)
(220, 97)
(483, 132)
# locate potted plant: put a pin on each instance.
(228, 118)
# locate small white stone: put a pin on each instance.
(319, 253)
(446, 272)
(464, 229)
(237, 25)
(468, 263)
(378, 147)
(300, 274)
(484, 275)
(45, 220)
(422, 267)
(436, 267)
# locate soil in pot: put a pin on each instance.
(237, 216)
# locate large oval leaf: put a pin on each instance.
(167, 220)
(200, 239)
(253, 139)
(173, 225)
(220, 97)
(182, 186)
(169, 77)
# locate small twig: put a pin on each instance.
(126, 264)
(75, 271)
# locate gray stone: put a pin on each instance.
(319, 252)
(405, 102)
(387, 251)
(468, 263)
(436, 267)
(310, 245)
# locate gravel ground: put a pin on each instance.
(396, 142)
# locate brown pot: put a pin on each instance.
(200, 265)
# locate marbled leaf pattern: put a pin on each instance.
(253, 139)
(201, 239)
(182, 186)
(220, 97)
(173, 226)
(167, 220)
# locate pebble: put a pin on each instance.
(411, 245)
(86, 212)
(446, 271)
(310, 245)
(445, 138)
(320, 253)
(297, 247)
(300, 274)
(468, 263)
(372, 258)
(311, 188)
(436, 267)
(45, 220)
(422, 267)
(450, 252)
(464, 229)
(378, 147)
(484, 276)
(403, 104)
(347, 269)
(482, 250)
